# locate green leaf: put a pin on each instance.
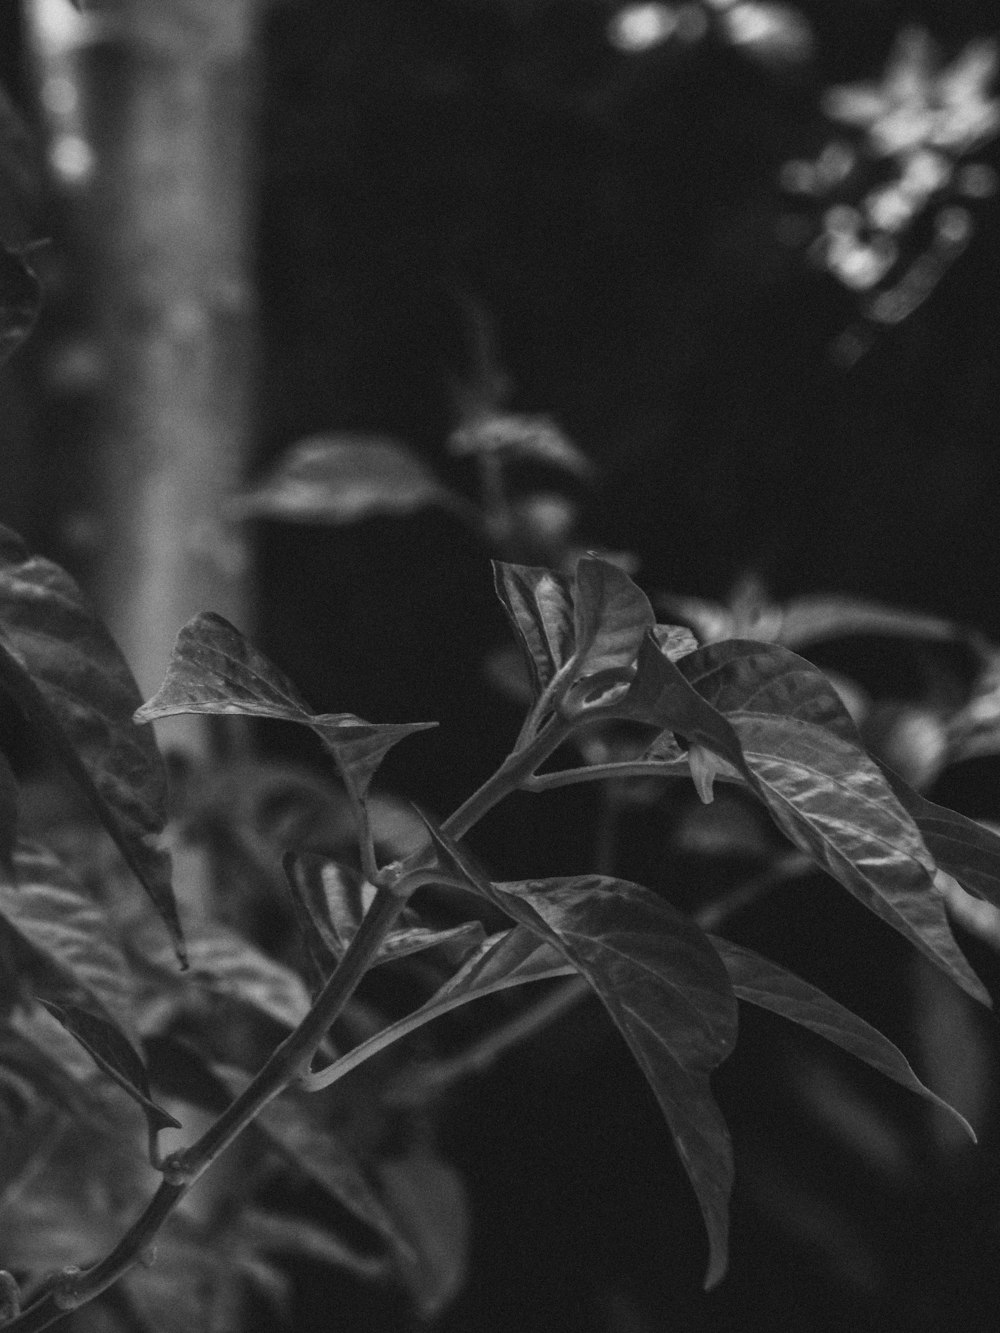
(517, 436)
(225, 965)
(668, 994)
(68, 932)
(8, 816)
(214, 669)
(279, 1233)
(427, 1199)
(61, 665)
(822, 790)
(20, 301)
(332, 899)
(820, 616)
(963, 848)
(113, 1053)
(766, 984)
(326, 1158)
(343, 479)
(539, 605)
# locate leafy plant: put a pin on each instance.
(108, 1039)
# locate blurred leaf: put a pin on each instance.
(517, 436)
(320, 1154)
(297, 1236)
(113, 1053)
(668, 994)
(69, 933)
(766, 984)
(226, 965)
(214, 669)
(8, 816)
(333, 899)
(343, 479)
(819, 617)
(427, 1199)
(825, 793)
(192, 1284)
(20, 301)
(20, 1053)
(65, 671)
(540, 607)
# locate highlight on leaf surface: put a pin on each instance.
(214, 670)
(64, 670)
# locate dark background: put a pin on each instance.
(618, 218)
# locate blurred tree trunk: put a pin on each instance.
(150, 108)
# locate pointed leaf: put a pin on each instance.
(668, 994)
(539, 605)
(20, 301)
(61, 665)
(963, 848)
(762, 982)
(612, 617)
(324, 1157)
(343, 479)
(215, 670)
(112, 1052)
(69, 933)
(825, 793)
(427, 1198)
(509, 958)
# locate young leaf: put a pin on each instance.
(214, 669)
(766, 984)
(68, 931)
(116, 1056)
(539, 605)
(668, 994)
(343, 479)
(611, 618)
(825, 793)
(64, 670)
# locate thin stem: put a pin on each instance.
(182, 1169)
(623, 768)
(512, 774)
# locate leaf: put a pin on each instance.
(766, 984)
(818, 617)
(825, 793)
(215, 670)
(68, 932)
(668, 994)
(226, 965)
(326, 1158)
(612, 617)
(334, 479)
(20, 301)
(963, 848)
(65, 671)
(283, 1234)
(539, 605)
(535, 438)
(8, 816)
(427, 1198)
(113, 1053)
(508, 958)
(332, 899)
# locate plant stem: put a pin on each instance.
(183, 1169)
